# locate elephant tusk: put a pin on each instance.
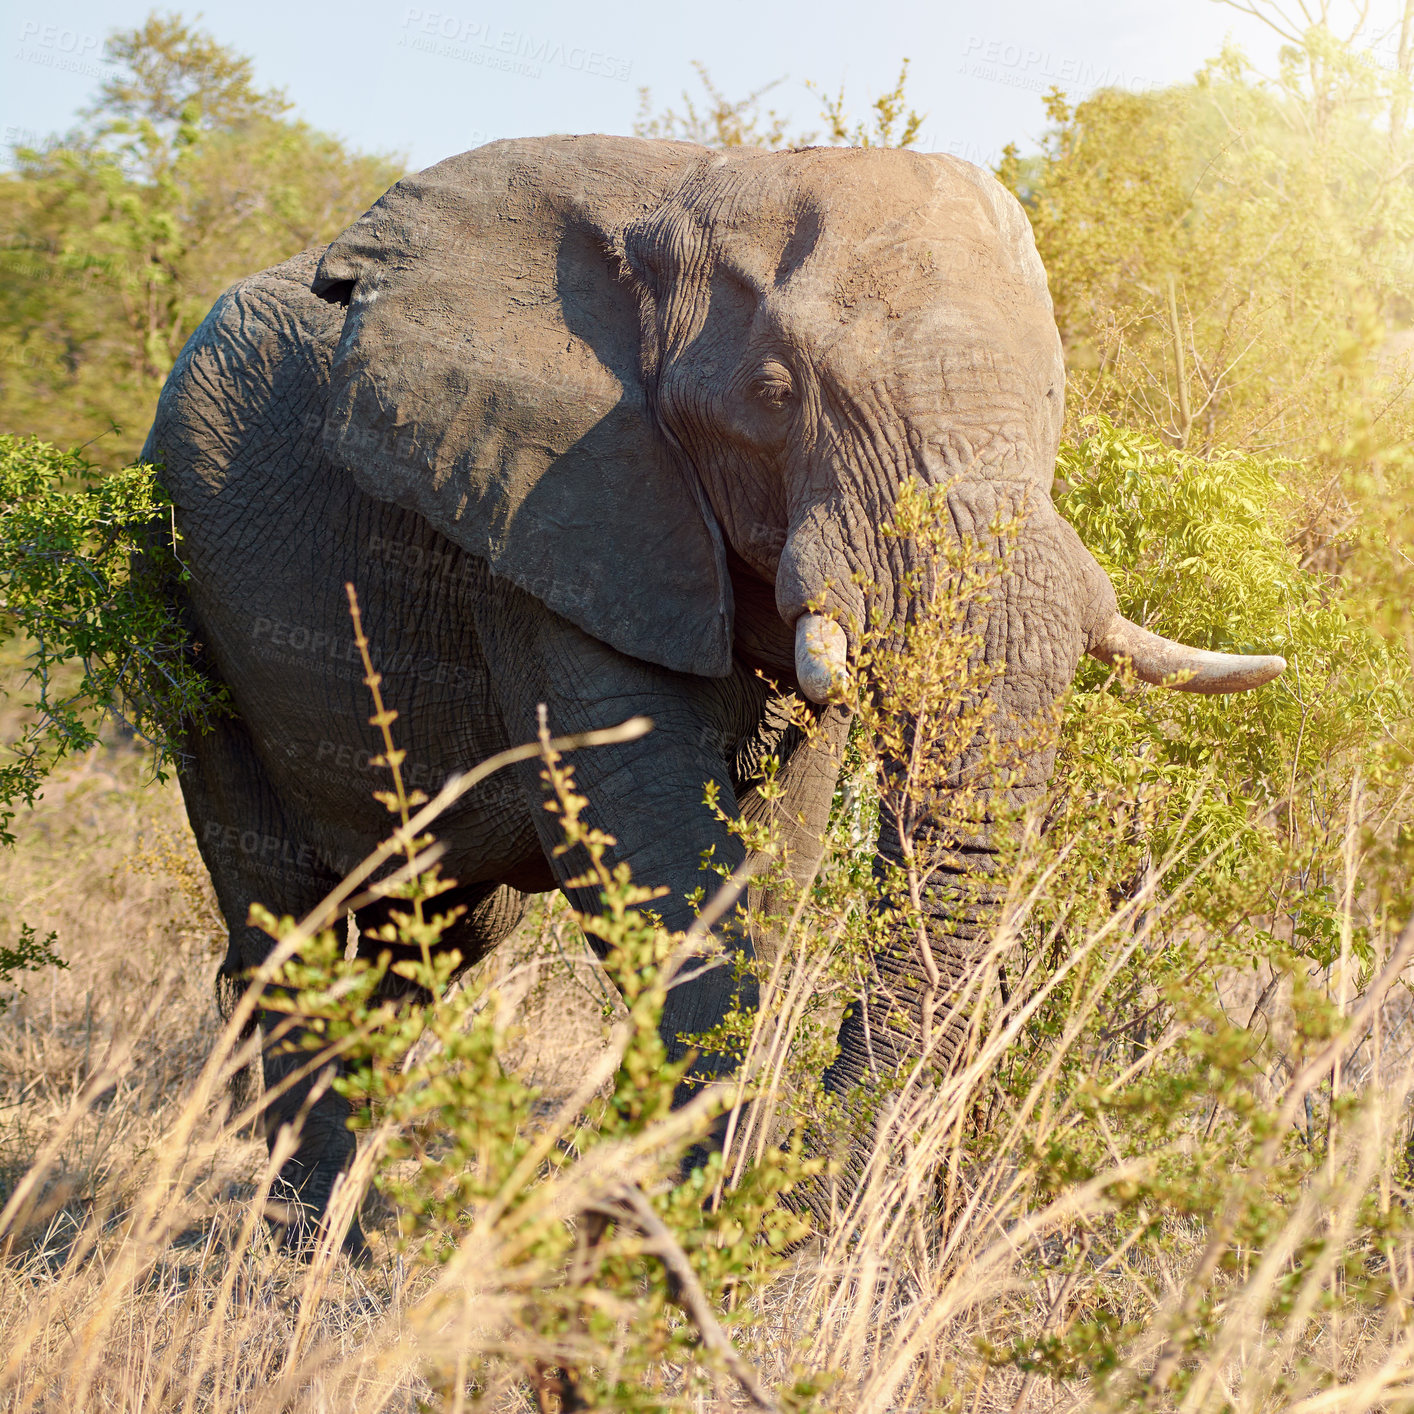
(821, 657)
(1157, 660)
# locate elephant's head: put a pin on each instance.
(624, 371)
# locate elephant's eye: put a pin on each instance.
(772, 386)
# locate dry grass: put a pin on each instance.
(108, 863)
(140, 1277)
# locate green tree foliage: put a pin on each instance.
(1227, 256)
(1199, 548)
(1230, 262)
(171, 76)
(29, 954)
(182, 177)
(87, 562)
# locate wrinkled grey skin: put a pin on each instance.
(589, 422)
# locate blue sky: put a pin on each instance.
(438, 77)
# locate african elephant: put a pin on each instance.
(610, 425)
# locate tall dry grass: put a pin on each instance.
(132, 1237)
(137, 1273)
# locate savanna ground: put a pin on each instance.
(107, 862)
(1174, 1170)
(1037, 1273)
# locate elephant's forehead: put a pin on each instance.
(850, 184)
(877, 217)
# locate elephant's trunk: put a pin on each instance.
(916, 1002)
(944, 834)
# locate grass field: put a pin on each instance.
(107, 862)
(136, 1274)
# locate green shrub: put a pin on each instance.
(1200, 550)
(29, 954)
(87, 564)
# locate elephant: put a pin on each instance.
(614, 425)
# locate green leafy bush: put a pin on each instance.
(1221, 880)
(1199, 549)
(29, 954)
(87, 563)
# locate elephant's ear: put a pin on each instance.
(488, 377)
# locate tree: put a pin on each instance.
(724, 123)
(721, 123)
(894, 123)
(1226, 255)
(182, 177)
(1228, 259)
(166, 66)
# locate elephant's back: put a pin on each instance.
(249, 385)
(238, 436)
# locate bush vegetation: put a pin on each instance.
(85, 562)
(1173, 1170)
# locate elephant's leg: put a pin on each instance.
(648, 794)
(491, 912)
(257, 851)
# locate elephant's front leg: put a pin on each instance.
(647, 794)
(259, 851)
